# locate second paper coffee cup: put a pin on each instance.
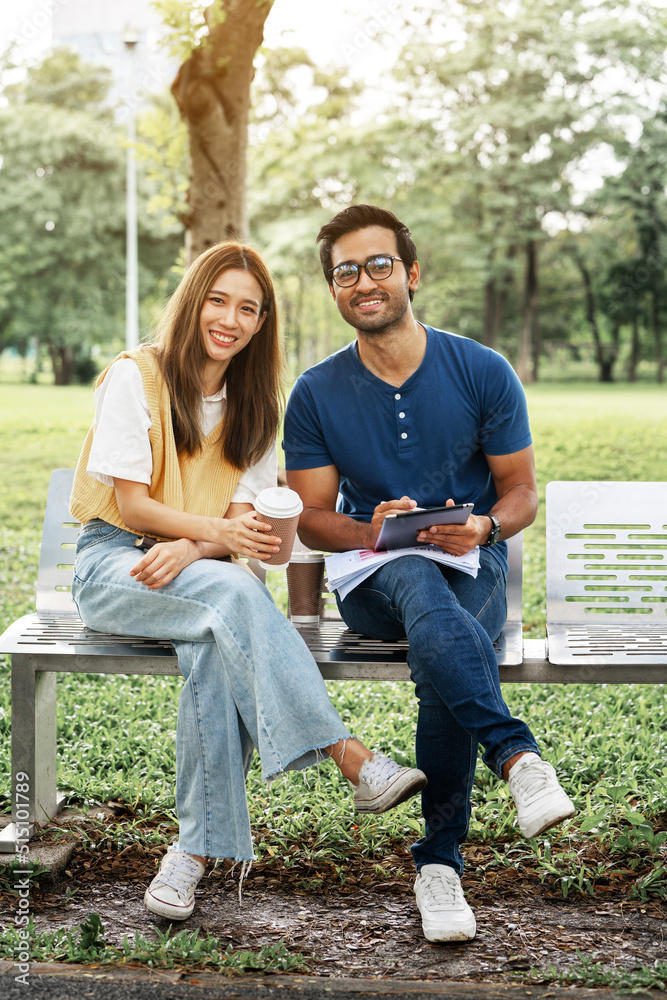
(305, 582)
(280, 507)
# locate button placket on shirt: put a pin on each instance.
(403, 422)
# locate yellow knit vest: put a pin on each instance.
(202, 483)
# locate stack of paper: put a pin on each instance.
(346, 570)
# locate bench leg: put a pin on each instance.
(34, 794)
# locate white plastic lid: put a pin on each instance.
(278, 501)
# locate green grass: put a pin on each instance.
(116, 734)
(42, 429)
(183, 949)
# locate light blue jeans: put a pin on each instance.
(250, 681)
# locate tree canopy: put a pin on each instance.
(62, 216)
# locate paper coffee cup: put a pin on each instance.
(280, 508)
(305, 581)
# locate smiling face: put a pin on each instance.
(373, 306)
(231, 315)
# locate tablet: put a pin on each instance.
(399, 530)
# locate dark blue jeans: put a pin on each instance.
(450, 620)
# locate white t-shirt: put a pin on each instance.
(121, 447)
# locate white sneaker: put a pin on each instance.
(383, 784)
(445, 914)
(171, 894)
(540, 800)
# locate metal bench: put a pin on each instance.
(54, 639)
(607, 582)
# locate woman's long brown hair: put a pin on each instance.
(253, 378)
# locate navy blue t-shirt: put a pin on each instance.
(426, 439)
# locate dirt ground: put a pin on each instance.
(369, 927)
(371, 934)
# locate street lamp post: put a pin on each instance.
(130, 39)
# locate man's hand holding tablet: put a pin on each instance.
(453, 528)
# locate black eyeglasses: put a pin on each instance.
(377, 268)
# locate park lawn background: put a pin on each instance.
(116, 734)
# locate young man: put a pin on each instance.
(407, 415)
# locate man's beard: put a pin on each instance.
(378, 324)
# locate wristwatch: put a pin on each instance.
(494, 534)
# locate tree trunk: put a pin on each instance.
(606, 359)
(530, 312)
(633, 360)
(297, 326)
(495, 299)
(212, 91)
(62, 362)
(536, 348)
(657, 334)
(490, 302)
(496, 291)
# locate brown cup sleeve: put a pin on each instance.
(285, 528)
(305, 582)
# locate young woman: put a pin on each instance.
(183, 441)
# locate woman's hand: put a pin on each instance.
(197, 536)
(164, 561)
(247, 535)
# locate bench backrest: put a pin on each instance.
(515, 578)
(56, 561)
(56, 557)
(606, 552)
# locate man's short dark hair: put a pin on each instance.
(361, 217)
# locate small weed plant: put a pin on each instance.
(15, 871)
